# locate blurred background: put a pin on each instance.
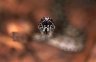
(23, 16)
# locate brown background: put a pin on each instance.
(17, 13)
